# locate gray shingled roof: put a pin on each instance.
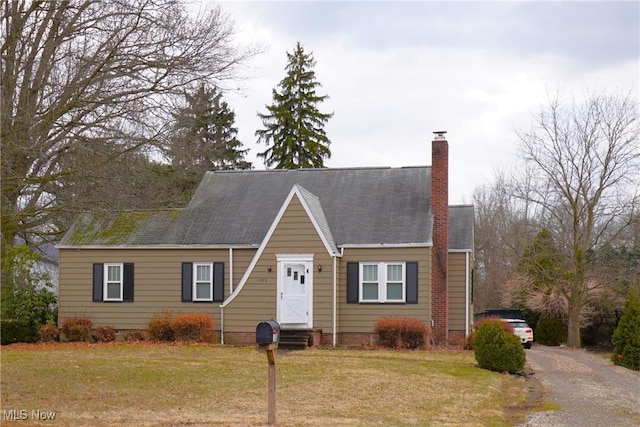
(317, 214)
(123, 228)
(461, 219)
(361, 206)
(351, 206)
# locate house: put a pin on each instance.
(323, 250)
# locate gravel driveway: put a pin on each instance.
(588, 389)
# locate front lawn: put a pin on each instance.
(165, 385)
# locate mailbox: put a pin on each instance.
(267, 332)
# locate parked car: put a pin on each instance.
(522, 329)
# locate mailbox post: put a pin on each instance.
(267, 337)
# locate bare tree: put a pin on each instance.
(501, 234)
(586, 158)
(80, 75)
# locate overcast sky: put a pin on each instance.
(397, 71)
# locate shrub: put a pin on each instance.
(626, 338)
(160, 328)
(135, 336)
(401, 332)
(468, 343)
(105, 334)
(14, 330)
(551, 332)
(28, 298)
(496, 349)
(193, 327)
(77, 329)
(49, 333)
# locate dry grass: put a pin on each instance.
(165, 385)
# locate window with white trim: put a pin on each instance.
(383, 282)
(113, 282)
(202, 281)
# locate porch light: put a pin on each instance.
(319, 268)
(269, 268)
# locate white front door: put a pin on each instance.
(295, 289)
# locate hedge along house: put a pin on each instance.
(328, 251)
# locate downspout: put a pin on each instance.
(466, 295)
(335, 301)
(221, 325)
(230, 271)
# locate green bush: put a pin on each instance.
(551, 332)
(13, 330)
(626, 338)
(77, 329)
(28, 299)
(496, 349)
(160, 326)
(401, 332)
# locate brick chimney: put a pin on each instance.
(440, 253)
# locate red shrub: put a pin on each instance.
(49, 333)
(77, 329)
(160, 328)
(402, 332)
(135, 336)
(105, 334)
(193, 327)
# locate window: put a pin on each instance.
(203, 282)
(382, 282)
(113, 282)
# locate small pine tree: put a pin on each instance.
(294, 132)
(626, 337)
(205, 137)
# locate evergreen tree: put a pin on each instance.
(626, 338)
(294, 127)
(204, 138)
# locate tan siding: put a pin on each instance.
(457, 291)
(241, 260)
(295, 234)
(157, 284)
(361, 317)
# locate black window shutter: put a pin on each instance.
(127, 284)
(412, 282)
(187, 281)
(98, 272)
(353, 273)
(218, 281)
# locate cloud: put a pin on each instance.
(395, 72)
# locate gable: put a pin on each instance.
(292, 230)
